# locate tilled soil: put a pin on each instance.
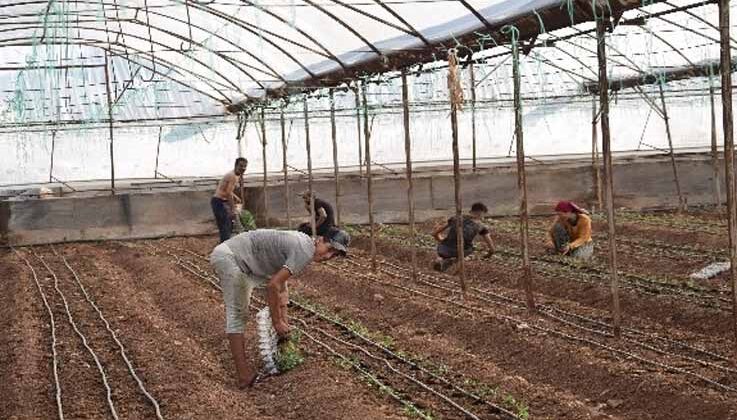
(171, 327)
(376, 344)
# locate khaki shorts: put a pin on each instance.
(237, 288)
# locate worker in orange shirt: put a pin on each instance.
(571, 232)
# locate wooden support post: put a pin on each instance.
(242, 123)
(681, 201)
(51, 164)
(369, 181)
(336, 171)
(595, 153)
(239, 135)
(358, 127)
(265, 188)
(285, 166)
(522, 181)
(158, 150)
(728, 127)
(309, 170)
(608, 175)
(714, 152)
(453, 60)
(110, 124)
(472, 77)
(410, 182)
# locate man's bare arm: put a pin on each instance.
(277, 295)
(438, 231)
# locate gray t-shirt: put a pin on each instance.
(263, 252)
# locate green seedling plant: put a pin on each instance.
(290, 356)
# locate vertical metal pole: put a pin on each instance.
(265, 189)
(309, 170)
(595, 153)
(472, 76)
(284, 166)
(158, 149)
(369, 181)
(522, 181)
(714, 152)
(681, 200)
(110, 124)
(410, 182)
(358, 127)
(53, 146)
(336, 171)
(728, 127)
(457, 182)
(608, 175)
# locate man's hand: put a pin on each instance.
(566, 249)
(282, 330)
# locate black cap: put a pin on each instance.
(339, 239)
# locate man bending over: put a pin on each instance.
(265, 258)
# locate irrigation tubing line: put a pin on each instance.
(70, 318)
(121, 348)
(54, 354)
(546, 330)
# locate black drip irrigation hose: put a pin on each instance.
(204, 275)
(543, 329)
(548, 310)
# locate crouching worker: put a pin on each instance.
(324, 215)
(571, 232)
(472, 226)
(265, 258)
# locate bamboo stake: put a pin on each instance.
(728, 126)
(681, 201)
(158, 150)
(522, 182)
(410, 181)
(336, 171)
(53, 146)
(472, 76)
(714, 152)
(285, 166)
(265, 191)
(369, 180)
(595, 153)
(110, 124)
(358, 127)
(455, 98)
(608, 175)
(309, 170)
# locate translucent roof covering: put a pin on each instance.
(189, 65)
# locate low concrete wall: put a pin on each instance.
(640, 183)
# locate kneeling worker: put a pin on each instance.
(265, 258)
(571, 231)
(472, 226)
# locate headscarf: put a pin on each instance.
(569, 207)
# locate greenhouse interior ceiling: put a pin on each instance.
(195, 65)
